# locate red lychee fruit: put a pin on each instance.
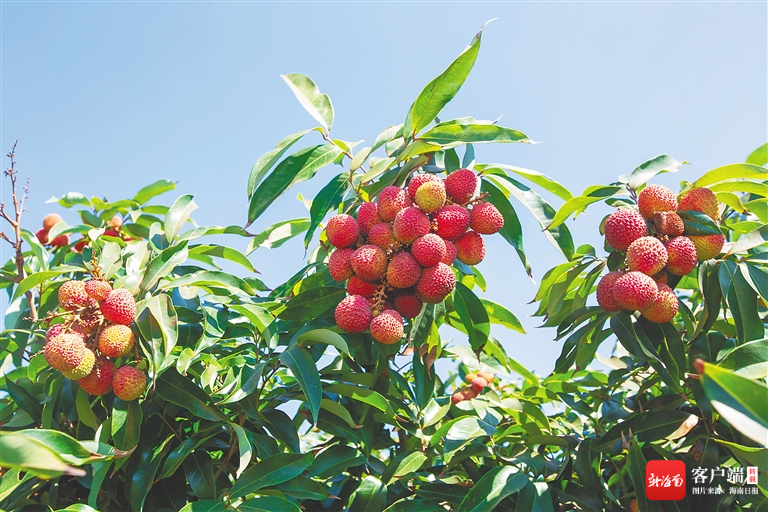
(367, 217)
(391, 200)
(97, 289)
(42, 236)
(410, 223)
(116, 341)
(468, 378)
(129, 383)
(634, 291)
(51, 220)
(634, 506)
(489, 377)
(65, 351)
(668, 223)
(470, 393)
(342, 230)
(403, 271)
(57, 329)
(112, 233)
(381, 235)
(470, 248)
(82, 369)
(605, 291)
(450, 253)
(435, 283)
(457, 397)
(387, 327)
(708, 246)
(431, 196)
(486, 219)
(369, 262)
(451, 221)
(664, 307)
(461, 185)
(115, 222)
(418, 180)
(623, 227)
(646, 255)
(119, 307)
(478, 384)
(682, 255)
(408, 305)
(701, 200)
(356, 286)
(340, 264)
(79, 246)
(353, 314)
(60, 241)
(99, 381)
(656, 198)
(429, 250)
(72, 295)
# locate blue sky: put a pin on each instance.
(107, 97)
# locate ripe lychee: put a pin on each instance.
(115, 222)
(605, 291)
(408, 305)
(682, 255)
(486, 219)
(470, 248)
(65, 351)
(403, 270)
(468, 378)
(99, 381)
(450, 253)
(79, 246)
(410, 223)
(623, 227)
(470, 393)
(119, 307)
(451, 221)
(457, 397)
(387, 327)
(72, 295)
(634, 291)
(342, 230)
(461, 185)
(391, 200)
(489, 377)
(478, 383)
(356, 286)
(353, 314)
(656, 198)
(57, 329)
(60, 241)
(367, 217)
(83, 369)
(112, 233)
(708, 246)
(116, 341)
(435, 283)
(97, 289)
(42, 236)
(381, 234)
(668, 223)
(701, 200)
(369, 262)
(429, 250)
(664, 307)
(418, 180)
(51, 220)
(129, 383)
(646, 255)
(340, 264)
(431, 196)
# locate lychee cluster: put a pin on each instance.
(396, 254)
(50, 220)
(95, 332)
(654, 242)
(477, 382)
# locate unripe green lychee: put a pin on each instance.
(356, 286)
(429, 250)
(623, 227)
(486, 219)
(701, 200)
(119, 307)
(342, 230)
(668, 223)
(605, 291)
(708, 246)
(72, 295)
(99, 381)
(381, 235)
(65, 351)
(340, 264)
(97, 289)
(116, 340)
(450, 253)
(408, 305)
(461, 185)
(435, 283)
(451, 221)
(410, 223)
(387, 327)
(431, 196)
(83, 369)
(391, 200)
(367, 217)
(129, 383)
(51, 220)
(682, 255)
(656, 198)
(353, 314)
(664, 306)
(42, 236)
(646, 255)
(403, 270)
(418, 180)
(634, 291)
(369, 262)
(470, 248)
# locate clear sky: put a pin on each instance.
(106, 97)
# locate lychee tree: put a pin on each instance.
(219, 392)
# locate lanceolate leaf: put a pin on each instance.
(277, 234)
(580, 203)
(325, 201)
(698, 224)
(447, 133)
(21, 452)
(646, 171)
(498, 314)
(126, 424)
(473, 315)
(742, 300)
(316, 103)
(512, 231)
(494, 486)
(542, 180)
(178, 215)
(732, 172)
(267, 160)
(645, 426)
(371, 496)
(163, 264)
(273, 470)
(154, 189)
(176, 389)
(749, 360)
(302, 366)
(759, 156)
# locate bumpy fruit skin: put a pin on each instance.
(342, 230)
(116, 341)
(429, 250)
(450, 253)
(99, 381)
(356, 286)
(97, 289)
(65, 351)
(369, 262)
(83, 369)
(605, 291)
(72, 295)
(119, 307)
(403, 270)
(42, 236)
(57, 329)
(623, 227)
(431, 196)
(129, 383)
(340, 264)
(391, 200)
(656, 198)
(387, 327)
(410, 223)
(461, 185)
(451, 221)
(668, 223)
(381, 235)
(700, 200)
(682, 255)
(353, 314)
(435, 283)
(367, 217)
(478, 383)
(486, 219)
(646, 255)
(51, 220)
(418, 180)
(457, 397)
(470, 248)
(634, 291)
(664, 306)
(408, 305)
(708, 246)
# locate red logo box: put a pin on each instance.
(665, 480)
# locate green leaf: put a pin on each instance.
(178, 215)
(158, 324)
(205, 506)
(153, 190)
(220, 251)
(742, 300)
(181, 391)
(749, 360)
(36, 365)
(759, 156)
(580, 203)
(277, 234)
(144, 476)
(303, 488)
(303, 368)
(542, 180)
(404, 464)
(21, 452)
(498, 314)
(270, 158)
(70, 199)
(24, 400)
(339, 410)
(646, 426)
(282, 428)
(163, 264)
(273, 470)
(512, 231)
(698, 224)
(731, 172)
(84, 411)
(571, 492)
(268, 504)
(370, 496)
(535, 497)
(325, 201)
(334, 460)
(636, 467)
(473, 315)
(649, 169)
(126, 424)
(213, 279)
(312, 303)
(68, 449)
(244, 447)
(449, 132)
(364, 395)
(37, 278)
(494, 486)
(749, 241)
(309, 338)
(199, 470)
(316, 103)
